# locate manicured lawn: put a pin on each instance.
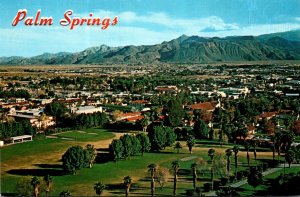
(31, 148)
(43, 157)
(42, 145)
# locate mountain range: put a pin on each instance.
(185, 49)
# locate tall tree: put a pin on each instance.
(228, 155)
(190, 143)
(175, 113)
(144, 141)
(175, 167)
(247, 147)
(35, 182)
(57, 109)
(287, 138)
(211, 154)
(128, 146)
(277, 140)
(254, 144)
(161, 137)
(116, 149)
(152, 169)
(48, 181)
(273, 147)
(200, 129)
(74, 159)
(127, 182)
(194, 171)
(235, 149)
(99, 187)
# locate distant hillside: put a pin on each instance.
(194, 49)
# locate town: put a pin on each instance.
(120, 129)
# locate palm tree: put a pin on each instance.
(235, 149)
(127, 183)
(211, 154)
(228, 155)
(254, 144)
(48, 180)
(99, 187)
(194, 169)
(175, 166)
(273, 145)
(247, 147)
(35, 182)
(277, 140)
(178, 146)
(152, 169)
(190, 143)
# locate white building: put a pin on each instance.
(86, 110)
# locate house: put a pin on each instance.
(205, 106)
(266, 115)
(134, 119)
(251, 130)
(71, 102)
(35, 117)
(167, 89)
(131, 116)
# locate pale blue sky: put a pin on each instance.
(141, 22)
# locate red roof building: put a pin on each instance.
(206, 106)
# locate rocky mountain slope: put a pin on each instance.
(185, 49)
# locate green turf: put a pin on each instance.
(33, 147)
(75, 135)
(110, 172)
(42, 145)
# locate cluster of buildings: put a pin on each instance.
(223, 83)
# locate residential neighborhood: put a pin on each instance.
(247, 106)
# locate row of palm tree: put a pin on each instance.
(153, 168)
(36, 183)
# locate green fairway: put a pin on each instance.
(42, 157)
(87, 135)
